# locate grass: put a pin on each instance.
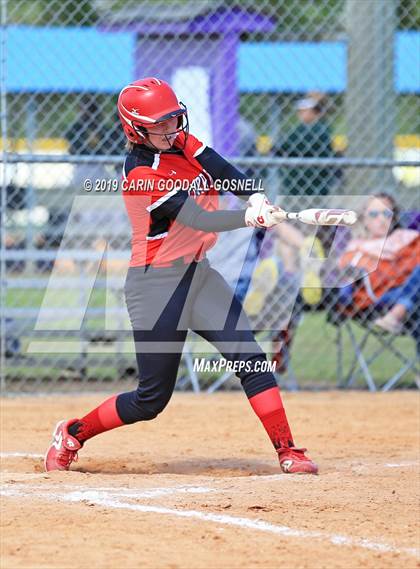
(33, 298)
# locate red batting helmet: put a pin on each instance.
(147, 102)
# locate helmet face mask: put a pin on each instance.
(146, 104)
(145, 133)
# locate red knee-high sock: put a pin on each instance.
(269, 408)
(101, 419)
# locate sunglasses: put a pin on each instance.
(374, 213)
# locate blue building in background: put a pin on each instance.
(78, 60)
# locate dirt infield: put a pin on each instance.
(200, 487)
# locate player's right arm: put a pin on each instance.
(259, 207)
(220, 169)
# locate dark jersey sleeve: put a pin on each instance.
(221, 169)
(185, 210)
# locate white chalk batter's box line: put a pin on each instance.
(117, 499)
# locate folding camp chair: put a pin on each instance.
(361, 362)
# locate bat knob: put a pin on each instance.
(350, 217)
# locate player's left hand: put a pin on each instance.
(261, 213)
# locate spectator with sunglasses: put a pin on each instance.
(389, 259)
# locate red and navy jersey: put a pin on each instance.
(155, 186)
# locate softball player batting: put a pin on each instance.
(170, 285)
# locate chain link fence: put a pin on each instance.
(319, 100)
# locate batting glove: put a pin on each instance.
(261, 213)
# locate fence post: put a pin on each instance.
(370, 94)
(3, 199)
